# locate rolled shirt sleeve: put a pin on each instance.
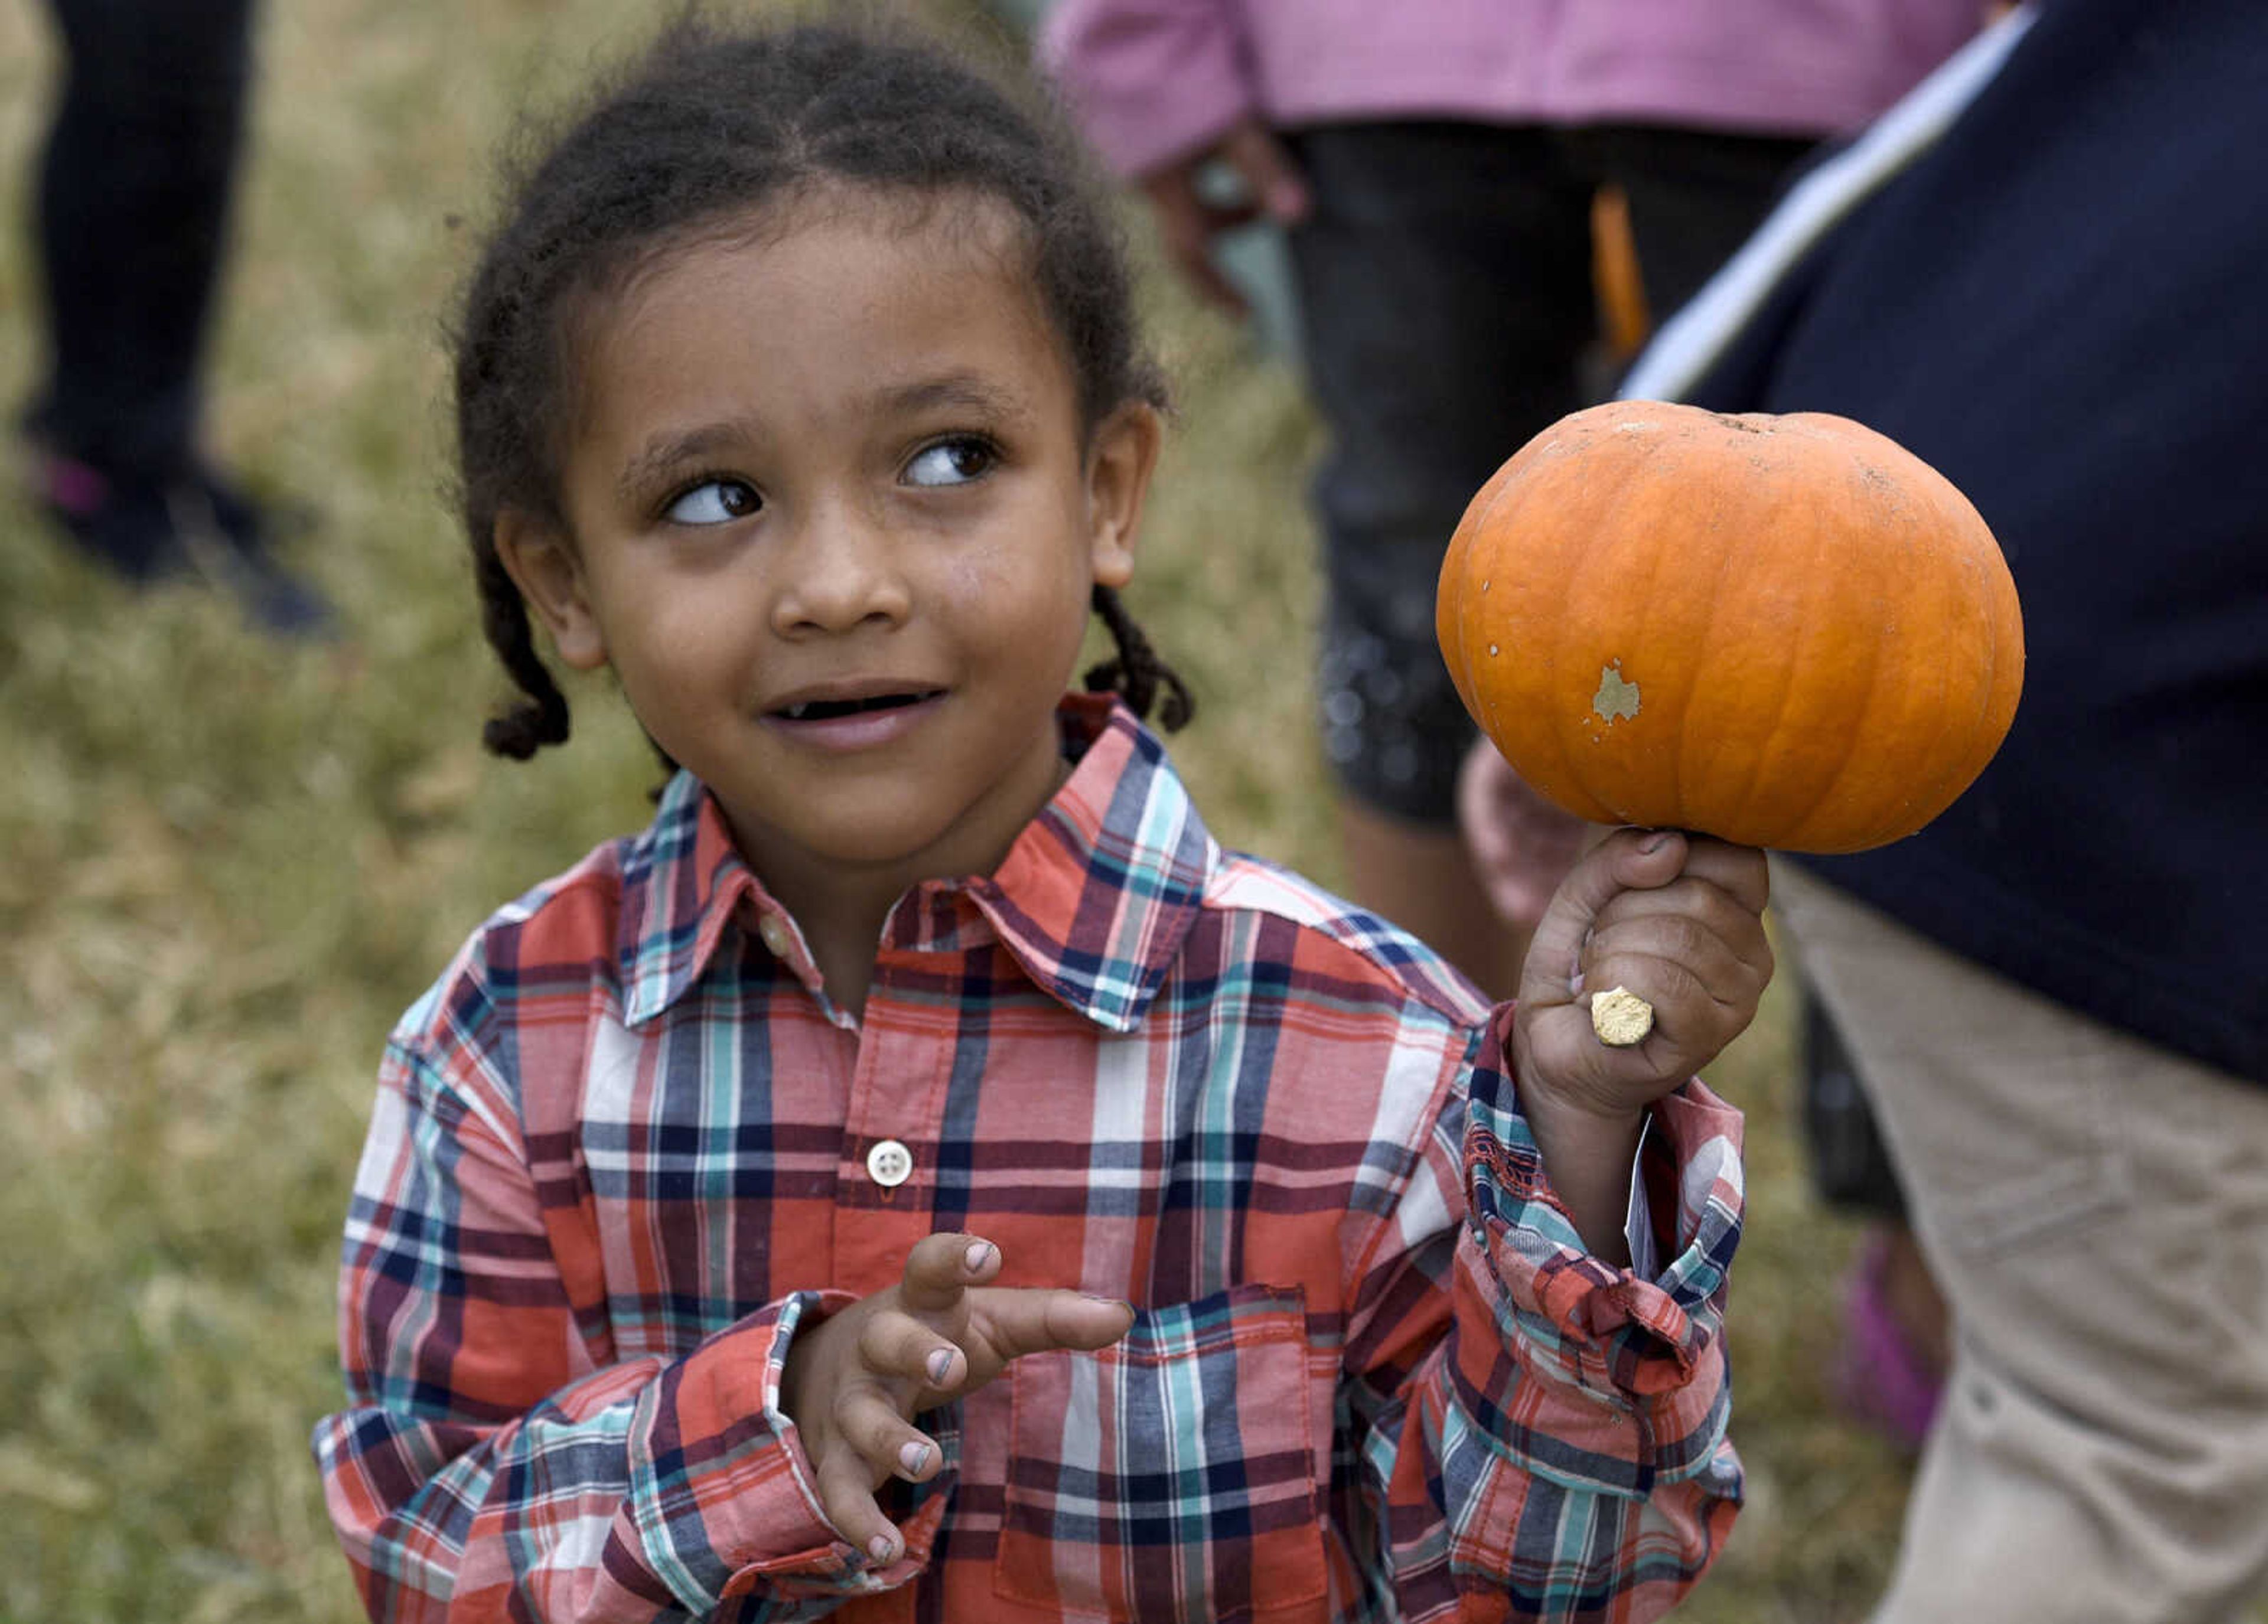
(1561, 1451)
(492, 1463)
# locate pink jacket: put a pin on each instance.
(1151, 81)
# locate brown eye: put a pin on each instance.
(714, 502)
(956, 461)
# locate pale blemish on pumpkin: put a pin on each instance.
(1638, 427)
(1491, 648)
(1616, 697)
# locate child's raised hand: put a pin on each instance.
(854, 1382)
(1676, 919)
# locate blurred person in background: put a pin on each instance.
(1437, 179)
(134, 189)
(2042, 274)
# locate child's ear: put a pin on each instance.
(543, 564)
(1118, 468)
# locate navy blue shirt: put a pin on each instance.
(2063, 305)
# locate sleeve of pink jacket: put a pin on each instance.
(1150, 81)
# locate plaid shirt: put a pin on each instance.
(626, 1147)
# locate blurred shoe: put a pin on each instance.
(192, 526)
(1881, 1379)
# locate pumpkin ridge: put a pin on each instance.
(1545, 661)
(1890, 670)
(1789, 832)
(1464, 543)
(1791, 835)
(1576, 728)
(1735, 550)
(1962, 706)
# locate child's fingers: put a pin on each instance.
(1740, 872)
(941, 1266)
(868, 1421)
(1677, 969)
(845, 1487)
(1700, 958)
(1673, 918)
(1694, 1018)
(1628, 859)
(1038, 1320)
(894, 1344)
(1686, 919)
(1559, 1049)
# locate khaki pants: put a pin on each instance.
(2095, 1209)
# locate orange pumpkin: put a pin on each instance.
(1786, 631)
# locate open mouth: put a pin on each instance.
(826, 709)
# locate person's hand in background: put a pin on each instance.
(1192, 209)
(1521, 845)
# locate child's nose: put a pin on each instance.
(840, 572)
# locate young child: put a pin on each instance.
(922, 1175)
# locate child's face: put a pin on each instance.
(834, 526)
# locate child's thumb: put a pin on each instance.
(1627, 860)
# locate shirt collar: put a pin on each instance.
(682, 881)
(1094, 899)
(1098, 893)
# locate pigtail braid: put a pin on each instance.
(1136, 674)
(541, 718)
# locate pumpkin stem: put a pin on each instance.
(1621, 1018)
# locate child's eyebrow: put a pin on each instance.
(665, 453)
(955, 389)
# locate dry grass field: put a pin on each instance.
(228, 865)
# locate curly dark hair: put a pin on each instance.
(710, 124)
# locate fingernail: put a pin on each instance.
(1655, 841)
(882, 1548)
(939, 1366)
(913, 1457)
(980, 1253)
(1109, 1302)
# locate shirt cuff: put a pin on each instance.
(1637, 1218)
(722, 1494)
(1642, 1343)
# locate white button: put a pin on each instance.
(889, 1163)
(774, 931)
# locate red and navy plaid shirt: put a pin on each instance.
(626, 1147)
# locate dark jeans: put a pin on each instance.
(134, 191)
(1445, 288)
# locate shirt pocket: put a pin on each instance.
(1170, 1477)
